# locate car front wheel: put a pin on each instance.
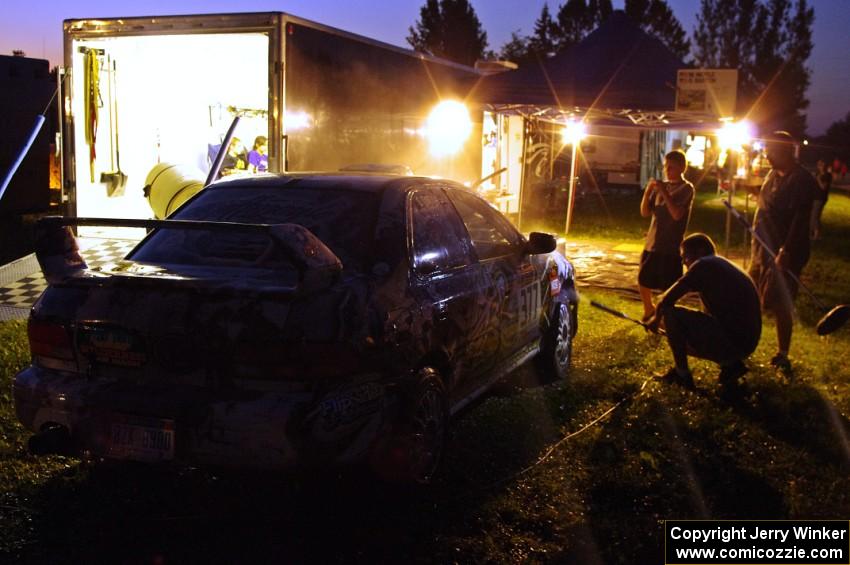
(556, 348)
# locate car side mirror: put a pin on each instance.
(540, 243)
(426, 268)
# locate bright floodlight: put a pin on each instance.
(296, 120)
(573, 132)
(448, 127)
(734, 135)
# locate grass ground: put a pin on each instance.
(779, 451)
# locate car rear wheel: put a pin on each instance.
(556, 349)
(414, 454)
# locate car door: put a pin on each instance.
(501, 252)
(451, 288)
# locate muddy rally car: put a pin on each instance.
(291, 321)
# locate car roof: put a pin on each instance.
(366, 182)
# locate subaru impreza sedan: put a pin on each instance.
(290, 322)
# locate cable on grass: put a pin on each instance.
(548, 453)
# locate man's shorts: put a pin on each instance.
(776, 288)
(659, 271)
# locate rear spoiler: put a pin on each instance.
(58, 252)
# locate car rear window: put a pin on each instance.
(343, 219)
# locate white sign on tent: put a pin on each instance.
(707, 91)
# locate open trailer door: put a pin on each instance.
(147, 93)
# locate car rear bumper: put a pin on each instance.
(196, 426)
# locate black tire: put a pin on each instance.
(414, 453)
(556, 345)
(53, 439)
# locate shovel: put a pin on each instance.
(116, 180)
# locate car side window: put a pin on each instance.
(438, 239)
(491, 234)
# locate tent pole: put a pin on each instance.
(571, 200)
(522, 172)
(729, 215)
(552, 134)
(746, 232)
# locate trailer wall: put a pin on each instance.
(358, 102)
(25, 89)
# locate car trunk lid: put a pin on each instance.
(216, 322)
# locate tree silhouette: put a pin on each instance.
(540, 45)
(656, 18)
(542, 42)
(837, 137)
(769, 44)
(577, 18)
(517, 49)
(449, 29)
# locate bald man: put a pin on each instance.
(783, 223)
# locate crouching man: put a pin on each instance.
(728, 329)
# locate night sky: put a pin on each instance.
(37, 30)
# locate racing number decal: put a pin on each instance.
(529, 304)
(554, 281)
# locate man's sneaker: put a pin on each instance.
(729, 374)
(673, 377)
(780, 362)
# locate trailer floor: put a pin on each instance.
(21, 282)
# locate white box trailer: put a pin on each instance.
(167, 88)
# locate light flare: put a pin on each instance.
(735, 135)
(573, 132)
(448, 127)
(297, 120)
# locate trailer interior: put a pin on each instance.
(159, 99)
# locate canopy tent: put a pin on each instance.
(618, 75)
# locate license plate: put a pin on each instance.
(113, 346)
(145, 439)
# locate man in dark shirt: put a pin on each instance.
(782, 221)
(729, 328)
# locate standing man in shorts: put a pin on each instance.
(669, 204)
(824, 180)
(782, 221)
(728, 329)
